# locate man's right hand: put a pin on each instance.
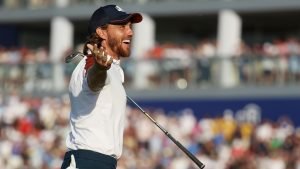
(101, 57)
(97, 75)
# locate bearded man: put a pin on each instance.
(97, 95)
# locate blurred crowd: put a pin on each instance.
(25, 69)
(33, 128)
(275, 62)
(33, 132)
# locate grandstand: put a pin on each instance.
(181, 82)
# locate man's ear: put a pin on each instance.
(101, 33)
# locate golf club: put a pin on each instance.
(189, 154)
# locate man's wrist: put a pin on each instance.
(100, 67)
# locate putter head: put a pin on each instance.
(74, 58)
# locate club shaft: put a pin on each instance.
(188, 153)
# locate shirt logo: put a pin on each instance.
(118, 8)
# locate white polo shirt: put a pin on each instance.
(97, 118)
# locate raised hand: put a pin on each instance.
(100, 56)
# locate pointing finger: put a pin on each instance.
(91, 47)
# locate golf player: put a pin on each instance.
(97, 95)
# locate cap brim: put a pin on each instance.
(133, 18)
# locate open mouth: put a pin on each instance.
(127, 42)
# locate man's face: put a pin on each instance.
(119, 39)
